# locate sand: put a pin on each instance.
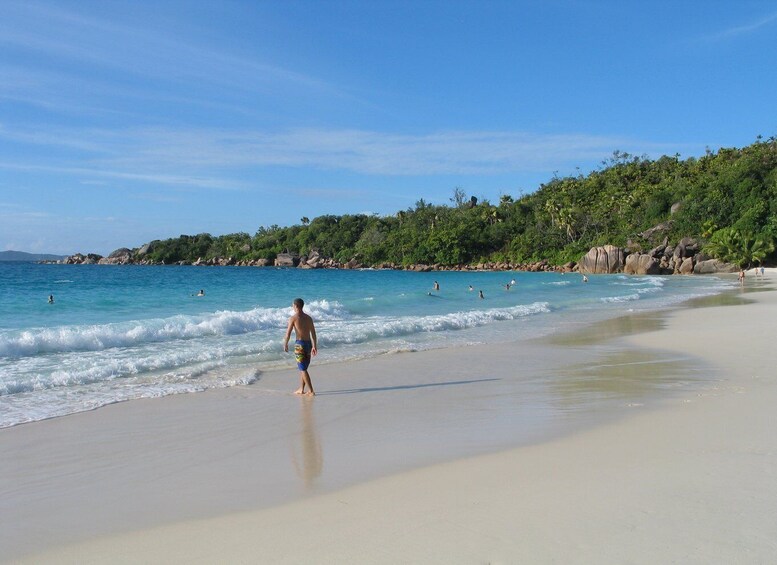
(687, 475)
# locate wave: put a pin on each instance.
(649, 290)
(652, 281)
(187, 360)
(95, 338)
(49, 404)
(640, 286)
(130, 334)
(372, 328)
(626, 298)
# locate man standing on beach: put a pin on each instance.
(304, 346)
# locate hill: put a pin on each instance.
(725, 201)
(22, 256)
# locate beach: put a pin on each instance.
(429, 457)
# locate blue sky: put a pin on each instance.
(123, 122)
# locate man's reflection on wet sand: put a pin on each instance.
(306, 455)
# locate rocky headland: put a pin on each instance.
(683, 258)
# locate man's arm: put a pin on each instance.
(288, 334)
(313, 339)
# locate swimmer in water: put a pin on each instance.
(51, 299)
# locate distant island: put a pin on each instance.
(22, 256)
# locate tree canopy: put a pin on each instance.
(725, 199)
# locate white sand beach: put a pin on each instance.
(255, 475)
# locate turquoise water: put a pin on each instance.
(117, 333)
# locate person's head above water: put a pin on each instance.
(298, 303)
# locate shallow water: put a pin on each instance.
(117, 333)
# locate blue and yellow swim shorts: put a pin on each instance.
(302, 349)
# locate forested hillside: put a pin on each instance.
(725, 199)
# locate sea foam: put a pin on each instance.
(22, 343)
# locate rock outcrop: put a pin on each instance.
(686, 266)
(286, 259)
(686, 247)
(712, 266)
(145, 249)
(641, 264)
(664, 259)
(314, 261)
(659, 229)
(602, 260)
(122, 256)
(80, 259)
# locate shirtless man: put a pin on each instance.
(305, 344)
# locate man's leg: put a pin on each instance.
(306, 381)
(301, 389)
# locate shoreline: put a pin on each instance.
(228, 335)
(308, 455)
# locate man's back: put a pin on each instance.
(303, 325)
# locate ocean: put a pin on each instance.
(118, 333)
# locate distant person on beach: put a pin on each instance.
(763, 271)
(51, 299)
(470, 288)
(741, 277)
(480, 294)
(436, 285)
(585, 278)
(305, 346)
(201, 293)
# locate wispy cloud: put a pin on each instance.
(179, 180)
(329, 193)
(163, 57)
(744, 29)
(157, 197)
(27, 215)
(215, 158)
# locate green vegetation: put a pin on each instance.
(727, 200)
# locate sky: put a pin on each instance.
(125, 122)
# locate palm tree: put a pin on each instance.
(734, 246)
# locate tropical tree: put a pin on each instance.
(744, 249)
